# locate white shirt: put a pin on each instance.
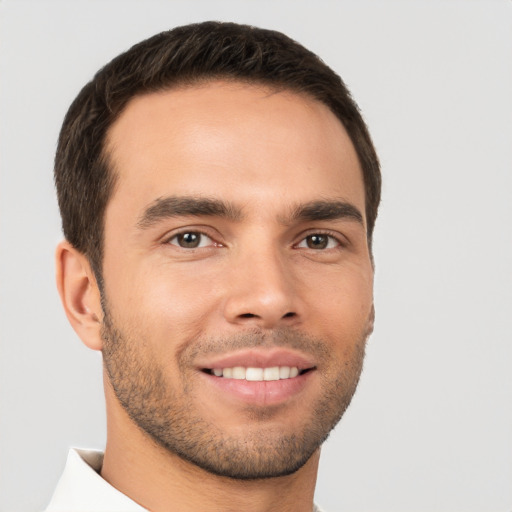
(82, 489)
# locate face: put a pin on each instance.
(237, 275)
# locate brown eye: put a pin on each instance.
(318, 241)
(190, 240)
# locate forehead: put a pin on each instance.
(233, 140)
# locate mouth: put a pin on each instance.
(258, 377)
(257, 374)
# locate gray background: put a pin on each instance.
(430, 428)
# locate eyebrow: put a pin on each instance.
(326, 210)
(173, 206)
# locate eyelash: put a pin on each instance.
(336, 237)
(329, 235)
(192, 232)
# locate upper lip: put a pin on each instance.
(258, 358)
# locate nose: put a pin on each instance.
(262, 291)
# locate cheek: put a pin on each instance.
(167, 306)
(343, 305)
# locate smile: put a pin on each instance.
(257, 374)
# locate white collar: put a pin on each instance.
(81, 487)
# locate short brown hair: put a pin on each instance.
(182, 56)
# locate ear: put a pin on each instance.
(79, 294)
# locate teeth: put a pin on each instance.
(257, 374)
(271, 373)
(284, 372)
(239, 372)
(254, 374)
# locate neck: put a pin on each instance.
(159, 480)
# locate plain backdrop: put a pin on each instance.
(430, 428)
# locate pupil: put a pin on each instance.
(189, 240)
(317, 242)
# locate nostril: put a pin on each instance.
(290, 314)
(248, 315)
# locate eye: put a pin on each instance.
(319, 241)
(191, 240)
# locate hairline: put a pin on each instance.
(107, 155)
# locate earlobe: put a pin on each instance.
(79, 294)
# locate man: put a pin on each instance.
(218, 191)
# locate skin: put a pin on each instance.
(257, 276)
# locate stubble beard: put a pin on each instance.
(260, 451)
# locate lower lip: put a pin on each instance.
(270, 392)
